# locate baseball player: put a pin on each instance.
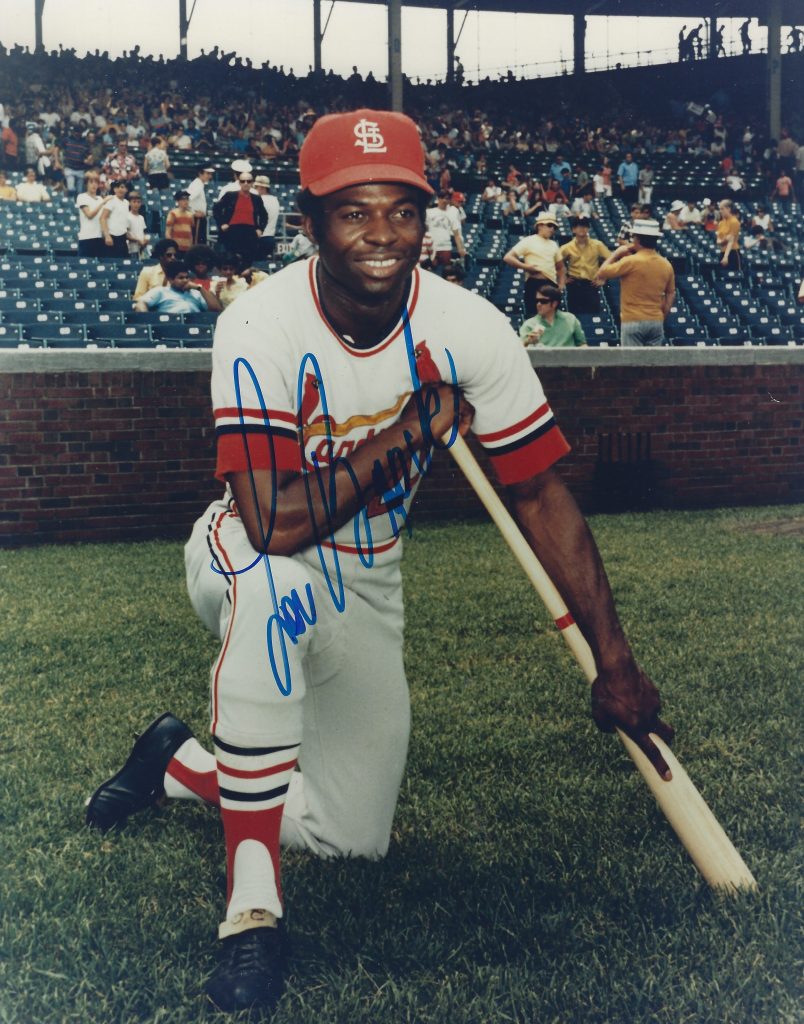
(331, 383)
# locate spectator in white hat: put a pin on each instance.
(672, 219)
(238, 167)
(647, 285)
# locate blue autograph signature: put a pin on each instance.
(293, 613)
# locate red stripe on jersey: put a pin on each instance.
(232, 454)
(273, 414)
(360, 353)
(221, 550)
(499, 435)
(377, 549)
(530, 459)
(261, 773)
(565, 621)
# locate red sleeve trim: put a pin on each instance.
(232, 457)
(523, 463)
(499, 435)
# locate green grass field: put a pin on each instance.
(530, 879)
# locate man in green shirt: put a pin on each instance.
(551, 328)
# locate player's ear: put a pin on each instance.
(308, 228)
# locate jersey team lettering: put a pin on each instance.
(369, 136)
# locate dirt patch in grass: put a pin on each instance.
(788, 526)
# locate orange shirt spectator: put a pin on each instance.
(180, 221)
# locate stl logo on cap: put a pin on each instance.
(369, 136)
(360, 147)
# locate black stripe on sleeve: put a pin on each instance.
(522, 442)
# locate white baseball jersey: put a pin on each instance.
(319, 394)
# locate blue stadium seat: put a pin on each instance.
(201, 339)
(190, 335)
(32, 316)
(121, 304)
(129, 335)
(70, 305)
(151, 317)
(7, 306)
(735, 335)
(58, 335)
(92, 320)
(11, 335)
(208, 317)
(770, 334)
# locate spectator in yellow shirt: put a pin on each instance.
(728, 235)
(583, 257)
(6, 191)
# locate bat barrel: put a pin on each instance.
(687, 812)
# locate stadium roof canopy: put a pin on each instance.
(791, 10)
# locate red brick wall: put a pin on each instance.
(720, 435)
(128, 453)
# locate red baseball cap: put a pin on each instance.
(361, 147)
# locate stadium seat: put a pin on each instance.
(58, 335)
(196, 340)
(8, 306)
(735, 335)
(129, 335)
(770, 334)
(32, 316)
(190, 335)
(116, 305)
(92, 320)
(152, 318)
(10, 335)
(207, 317)
(70, 305)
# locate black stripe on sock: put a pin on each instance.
(230, 748)
(268, 794)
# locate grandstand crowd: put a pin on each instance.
(107, 162)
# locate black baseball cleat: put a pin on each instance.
(250, 971)
(140, 782)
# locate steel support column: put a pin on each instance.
(316, 35)
(39, 44)
(184, 26)
(395, 53)
(774, 68)
(450, 45)
(579, 44)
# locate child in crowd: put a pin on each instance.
(139, 242)
(180, 220)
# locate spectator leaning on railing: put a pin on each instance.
(551, 328)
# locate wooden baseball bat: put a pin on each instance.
(687, 812)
